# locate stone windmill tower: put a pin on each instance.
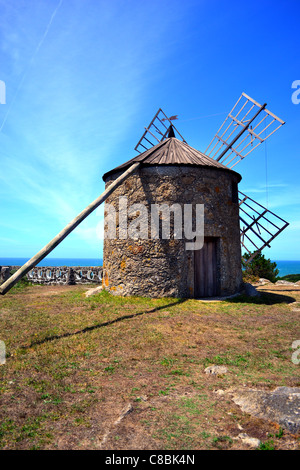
(176, 221)
(172, 176)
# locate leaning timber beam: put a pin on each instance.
(7, 285)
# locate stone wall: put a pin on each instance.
(58, 275)
(159, 267)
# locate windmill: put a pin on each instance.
(245, 127)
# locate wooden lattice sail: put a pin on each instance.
(159, 128)
(259, 226)
(246, 127)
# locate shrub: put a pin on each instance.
(259, 266)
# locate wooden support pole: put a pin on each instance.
(7, 285)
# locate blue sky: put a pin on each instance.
(83, 78)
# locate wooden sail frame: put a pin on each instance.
(262, 224)
(244, 129)
(157, 131)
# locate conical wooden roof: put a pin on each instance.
(171, 151)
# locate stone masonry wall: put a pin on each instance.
(158, 267)
(58, 275)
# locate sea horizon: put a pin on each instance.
(285, 267)
(82, 262)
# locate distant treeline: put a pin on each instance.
(290, 278)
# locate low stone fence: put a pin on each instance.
(58, 274)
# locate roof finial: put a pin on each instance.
(171, 132)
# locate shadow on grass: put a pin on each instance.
(264, 298)
(101, 325)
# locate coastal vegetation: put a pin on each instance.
(290, 278)
(259, 267)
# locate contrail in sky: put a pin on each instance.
(202, 117)
(30, 62)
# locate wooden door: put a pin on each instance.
(206, 279)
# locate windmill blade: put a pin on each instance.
(247, 126)
(157, 131)
(260, 226)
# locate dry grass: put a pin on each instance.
(74, 363)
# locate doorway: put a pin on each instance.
(206, 269)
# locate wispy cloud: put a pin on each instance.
(16, 57)
(263, 189)
(74, 87)
(275, 196)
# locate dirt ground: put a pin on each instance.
(114, 373)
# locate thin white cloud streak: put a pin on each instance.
(47, 28)
(294, 226)
(9, 240)
(28, 68)
(280, 195)
(263, 189)
(26, 184)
